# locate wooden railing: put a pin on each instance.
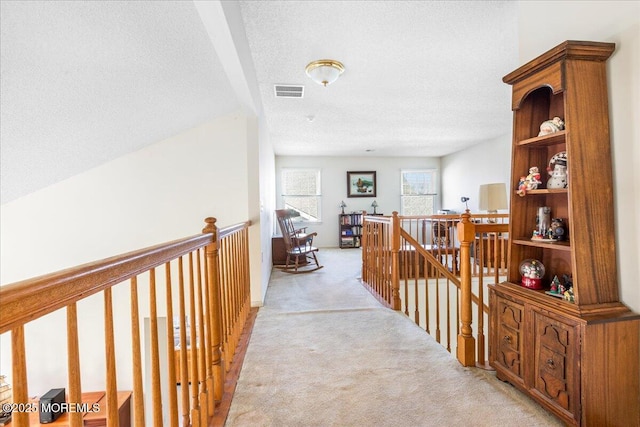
(205, 286)
(433, 268)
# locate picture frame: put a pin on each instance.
(361, 184)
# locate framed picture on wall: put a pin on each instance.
(361, 184)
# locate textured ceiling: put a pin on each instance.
(423, 78)
(83, 82)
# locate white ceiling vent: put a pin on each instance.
(288, 91)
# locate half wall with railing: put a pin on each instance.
(435, 269)
(190, 294)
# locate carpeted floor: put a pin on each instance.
(324, 352)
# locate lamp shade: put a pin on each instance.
(324, 71)
(493, 197)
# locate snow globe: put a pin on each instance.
(532, 272)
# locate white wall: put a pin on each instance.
(160, 193)
(465, 171)
(334, 186)
(267, 206)
(608, 21)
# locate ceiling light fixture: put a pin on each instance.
(324, 71)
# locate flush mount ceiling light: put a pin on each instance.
(324, 71)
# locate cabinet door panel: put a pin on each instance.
(509, 337)
(554, 361)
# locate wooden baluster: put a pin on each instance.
(201, 344)
(449, 316)
(225, 300)
(216, 325)
(73, 364)
(416, 297)
(395, 273)
(426, 304)
(406, 281)
(138, 397)
(184, 368)
(156, 394)
(438, 307)
(207, 340)
(466, 342)
(171, 354)
(110, 357)
(365, 250)
(19, 376)
(193, 356)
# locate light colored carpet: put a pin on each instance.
(324, 352)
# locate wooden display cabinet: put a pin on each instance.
(579, 359)
(350, 226)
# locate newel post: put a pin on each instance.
(215, 308)
(395, 264)
(466, 341)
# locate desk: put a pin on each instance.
(93, 419)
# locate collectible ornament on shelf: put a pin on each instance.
(530, 182)
(558, 229)
(543, 225)
(532, 272)
(562, 290)
(557, 171)
(551, 126)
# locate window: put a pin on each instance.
(301, 192)
(418, 191)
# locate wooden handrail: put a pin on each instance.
(217, 302)
(32, 298)
(412, 253)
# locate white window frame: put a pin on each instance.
(318, 196)
(428, 193)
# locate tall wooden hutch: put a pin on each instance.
(580, 359)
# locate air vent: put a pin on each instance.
(288, 91)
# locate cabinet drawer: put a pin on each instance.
(509, 335)
(555, 359)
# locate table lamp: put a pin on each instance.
(492, 198)
(343, 205)
(374, 205)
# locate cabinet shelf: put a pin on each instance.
(545, 140)
(561, 246)
(547, 191)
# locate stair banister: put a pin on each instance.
(466, 342)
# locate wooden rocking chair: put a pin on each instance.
(298, 244)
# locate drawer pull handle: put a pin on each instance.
(506, 338)
(551, 363)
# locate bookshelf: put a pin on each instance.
(350, 229)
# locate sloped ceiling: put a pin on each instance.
(83, 82)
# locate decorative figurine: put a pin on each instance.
(557, 170)
(543, 221)
(568, 295)
(558, 229)
(555, 284)
(532, 272)
(551, 126)
(531, 181)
